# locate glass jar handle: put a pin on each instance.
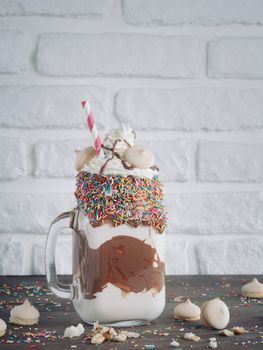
(65, 291)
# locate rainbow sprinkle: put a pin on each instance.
(122, 200)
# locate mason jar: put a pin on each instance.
(118, 272)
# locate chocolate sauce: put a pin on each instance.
(126, 165)
(104, 166)
(155, 167)
(127, 262)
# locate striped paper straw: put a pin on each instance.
(92, 126)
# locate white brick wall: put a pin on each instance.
(236, 58)
(14, 48)
(204, 12)
(12, 158)
(41, 107)
(216, 212)
(192, 109)
(230, 162)
(119, 55)
(59, 8)
(31, 212)
(187, 74)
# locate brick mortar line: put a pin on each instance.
(26, 22)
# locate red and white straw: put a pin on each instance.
(92, 126)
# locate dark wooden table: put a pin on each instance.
(58, 314)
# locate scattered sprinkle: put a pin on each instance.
(149, 347)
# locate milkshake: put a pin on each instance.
(119, 226)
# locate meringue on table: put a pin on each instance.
(187, 311)
(253, 289)
(2, 327)
(25, 314)
(215, 313)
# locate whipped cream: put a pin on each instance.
(125, 138)
(115, 167)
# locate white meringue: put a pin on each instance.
(121, 337)
(2, 327)
(139, 157)
(191, 336)
(125, 140)
(253, 289)
(83, 157)
(131, 334)
(97, 339)
(187, 311)
(239, 330)
(174, 344)
(73, 331)
(215, 313)
(212, 343)
(226, 333)
(104, 333)
(25, 314)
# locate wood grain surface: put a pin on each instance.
(57, 314)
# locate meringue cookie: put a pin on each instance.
(139, 157)
(253, 289)
(187, 311)
(2, 327)
(72, 331)
(84, 157)
(25, 314)
(215, 313)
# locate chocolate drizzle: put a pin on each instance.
(126, 165)
(124, 261)
(155, 167)
(124, 162)
(114, 154)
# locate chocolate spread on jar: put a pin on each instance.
(127, 262)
